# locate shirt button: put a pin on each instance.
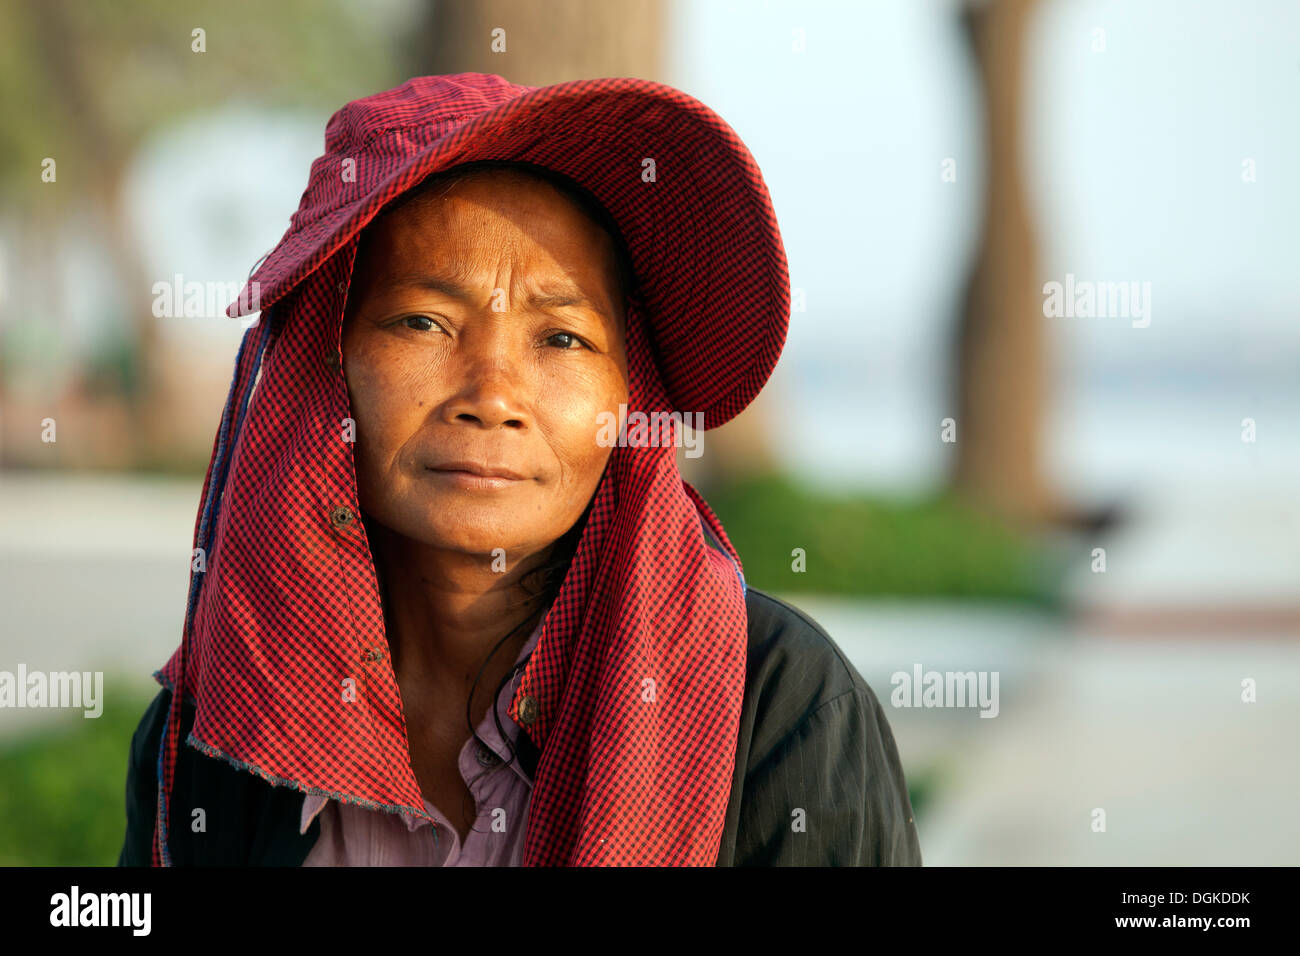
(528, 711)
(331, 359)
(341, 517)
(486, 758)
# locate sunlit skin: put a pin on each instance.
(483, 326)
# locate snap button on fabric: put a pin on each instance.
(340, 516)
(373, 654)
(331, 359)
(528, 711)
(486, 758)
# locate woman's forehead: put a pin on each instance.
(519, 186)
(456, 239)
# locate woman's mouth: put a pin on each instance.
(474, 477)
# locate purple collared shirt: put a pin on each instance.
(353, 836)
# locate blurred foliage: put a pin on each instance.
(856, 545)
(63, 802)
(923, 784)
(110, 74)
(112, 366)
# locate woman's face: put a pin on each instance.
(484, 332)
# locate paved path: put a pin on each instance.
(93, 576)
(1149, 727)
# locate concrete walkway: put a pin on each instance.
(1096, 712)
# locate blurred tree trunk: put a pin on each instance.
(91, 133)
(1001, 361)
(545, 43)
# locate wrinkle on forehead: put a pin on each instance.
(469, 230)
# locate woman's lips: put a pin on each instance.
(472, 477)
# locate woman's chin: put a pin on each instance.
(484, 531)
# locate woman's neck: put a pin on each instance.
(447, 611)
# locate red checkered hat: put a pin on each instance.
(686, 194)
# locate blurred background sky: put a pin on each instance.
(1157, 144)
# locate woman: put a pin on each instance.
(453, 603)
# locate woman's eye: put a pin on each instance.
(567, 340)
(421, 323)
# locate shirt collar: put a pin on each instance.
(314, 803)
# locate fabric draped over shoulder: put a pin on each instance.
(634, 691)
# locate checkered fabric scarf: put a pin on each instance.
(637, 678)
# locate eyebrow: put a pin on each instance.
(563, 296)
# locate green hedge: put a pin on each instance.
(860, 545)
(63, 800)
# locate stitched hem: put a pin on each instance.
(218, 754)
(189, 698)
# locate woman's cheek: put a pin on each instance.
(368, 394)
(589, 454)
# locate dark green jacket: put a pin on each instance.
(813, 738)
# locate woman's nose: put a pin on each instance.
(489, 386)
